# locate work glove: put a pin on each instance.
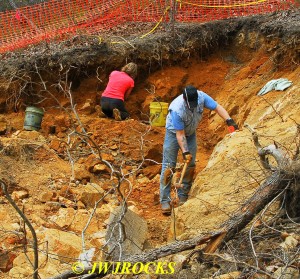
(187, 157)
(232, 126)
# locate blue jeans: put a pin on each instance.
(170, 153)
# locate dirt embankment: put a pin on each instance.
(52, 174)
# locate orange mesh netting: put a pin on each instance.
(59, 19)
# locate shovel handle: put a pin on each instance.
(182, 173)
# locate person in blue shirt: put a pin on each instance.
(185, 113)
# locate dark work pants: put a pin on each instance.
(108, 104)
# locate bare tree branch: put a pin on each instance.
(35, 241)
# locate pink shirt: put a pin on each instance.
(118, 84)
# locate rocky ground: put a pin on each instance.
(77, 159)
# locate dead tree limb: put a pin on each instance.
(271, 187)
(27, 222)
(262, 196)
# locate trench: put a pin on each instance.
(231, 62)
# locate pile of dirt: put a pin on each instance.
(57, 174)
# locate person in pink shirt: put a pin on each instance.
(120, 85)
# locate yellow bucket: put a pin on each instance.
(158, 113)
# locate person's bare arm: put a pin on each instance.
(181, 139)
(127, 93)
(222, 112)
(180, 135)
(232, 126)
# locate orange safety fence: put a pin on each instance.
(204, 11)
(59, 19)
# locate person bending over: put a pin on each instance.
(120, 85)
(185, 113)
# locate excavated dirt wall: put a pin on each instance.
(82, 57)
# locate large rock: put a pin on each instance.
(19, 195)
(129, 230)
(29, 135)
(67, 246)
(152, 171)
(9, 222)
(22, 266)
(90, 194)
(62, 122)
(91, 161)
(20, 272)
(81, 173)
(88, 107)
(77, 220)
(210, 201)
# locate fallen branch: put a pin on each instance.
(27, 222)
(270, 188)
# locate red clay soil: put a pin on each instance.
(127, 135)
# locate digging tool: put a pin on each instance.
(179, 183)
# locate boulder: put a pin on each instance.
(90, 194)
(100, 168)
(20, 272)
(22, 267)
(76, 220)
(29, 135)
(88, 107)
(107, 157)
(9, 222)
(152, 171)
(67, 192)
(81, 173)
(154, 153)
(289, 243)
(55, 144)
(48, 196)
(129, 230)
(66, 245)
(91, 161)
(19, 195)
